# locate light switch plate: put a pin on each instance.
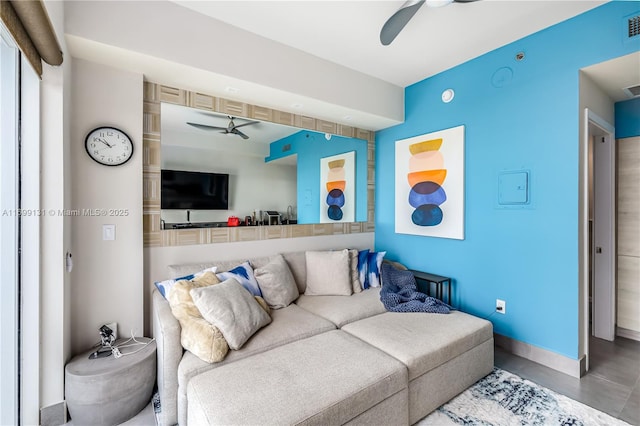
(108, 232)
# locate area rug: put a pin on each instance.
(502, 399)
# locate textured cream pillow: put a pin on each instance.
(328, 273)
(276, 283)
(231, 308)
(355, 274)
(197, 336)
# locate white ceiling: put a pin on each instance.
(347, 32)
(267, 52)
(615, 75)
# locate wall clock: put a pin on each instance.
(109, 146)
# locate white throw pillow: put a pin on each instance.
(328, 273)
(231, 308)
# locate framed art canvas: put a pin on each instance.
(429, 186)
(337, 188)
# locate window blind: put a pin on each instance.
(29, 24)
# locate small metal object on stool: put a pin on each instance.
(109, 391)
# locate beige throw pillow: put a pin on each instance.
(276, 282)
(231, 308)
(328, 273)
(353, 267)
(197, 336)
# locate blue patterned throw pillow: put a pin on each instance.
(374, 263)
(164, 286)
(362, 268)
(244, 275)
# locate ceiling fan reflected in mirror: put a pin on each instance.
(231, 129)
(398, 20)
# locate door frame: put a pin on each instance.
(592, 119)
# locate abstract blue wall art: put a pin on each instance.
(430, 184)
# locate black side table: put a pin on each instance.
(438, 280)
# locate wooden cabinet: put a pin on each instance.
(628, 318)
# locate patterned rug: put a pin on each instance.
(503, 398)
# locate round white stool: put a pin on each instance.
(109, 391)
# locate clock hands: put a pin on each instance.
(105, 142)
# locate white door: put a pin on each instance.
(603, 250)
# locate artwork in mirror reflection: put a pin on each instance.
(337, 199)
(271, 167)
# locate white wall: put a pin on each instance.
(107, 276)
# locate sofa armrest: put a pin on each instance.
(166, 330)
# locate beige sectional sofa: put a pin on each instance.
(322, 360)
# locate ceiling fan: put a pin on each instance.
(398, 20)
(231, 129)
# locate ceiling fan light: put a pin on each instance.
(438, 3)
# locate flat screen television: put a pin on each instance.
(194, 190)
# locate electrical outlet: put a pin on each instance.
(501, 306)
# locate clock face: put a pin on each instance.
(109, 146)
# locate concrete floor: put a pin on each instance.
(611, 385)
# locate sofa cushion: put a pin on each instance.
(354, 272)
(233, 309)
(422, 341)
(373, 268)
(197, 335)
(222, 266)
(164, 287)
(328, 273)
(297, 262)
(276, 283)
(363, 267)
(287, 325)
(327, 388)
(342, 310)
(243, 274)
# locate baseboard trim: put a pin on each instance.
(572, 367)
(54, 415)
(628, 334)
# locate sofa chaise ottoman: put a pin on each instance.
(331, 378)
(443, 354)
(439, 355)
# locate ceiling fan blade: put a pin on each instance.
(239, 133)
(398, 20)
(246, 124)
(205, 126)
(464, 1)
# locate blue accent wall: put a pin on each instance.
(310, 147)
(627, 118)
(523, 118)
